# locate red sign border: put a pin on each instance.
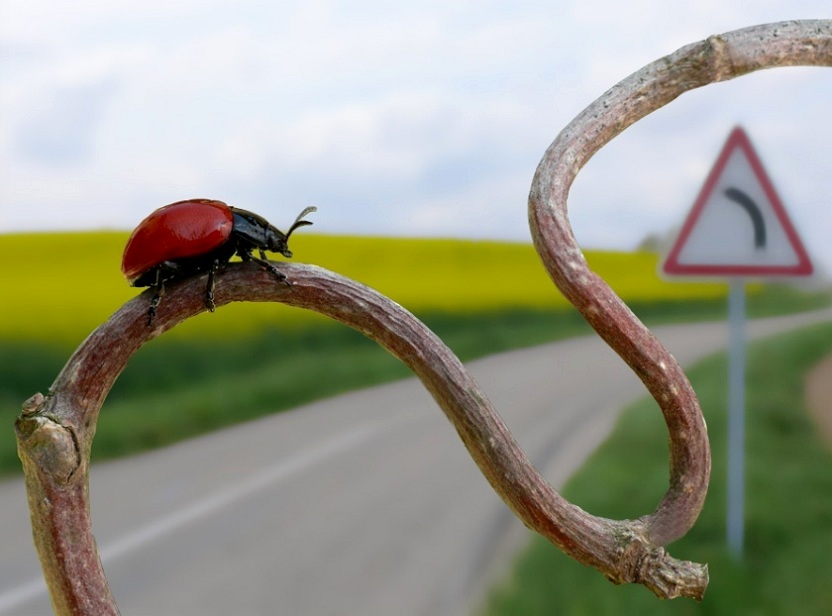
(737, 139)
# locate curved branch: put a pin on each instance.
(717, 58)
(55, 432)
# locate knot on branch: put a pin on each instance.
(720, 65)
(49, 446)
(33, 404)
(669, 578)
(641, 562)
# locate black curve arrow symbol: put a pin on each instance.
(747, 203)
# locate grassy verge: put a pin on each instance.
(174, 388)
(788, 501)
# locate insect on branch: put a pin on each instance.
(55, 432)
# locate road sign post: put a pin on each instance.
(737, 229)
(736, 416)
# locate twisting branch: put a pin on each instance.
(55, 432)
(717, 58)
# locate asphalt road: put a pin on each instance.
(362, 504)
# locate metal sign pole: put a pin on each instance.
(736, 416)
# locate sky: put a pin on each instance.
(406, 119)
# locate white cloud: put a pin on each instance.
(423, 118)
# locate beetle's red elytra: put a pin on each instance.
(177, 231)
(193, 236)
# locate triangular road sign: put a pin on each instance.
(738, 225)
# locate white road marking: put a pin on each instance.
(211, 504)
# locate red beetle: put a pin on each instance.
(189, 237)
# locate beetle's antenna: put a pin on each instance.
(299, 222)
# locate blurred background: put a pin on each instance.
(415, 129)
(423, 119)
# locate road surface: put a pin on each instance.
(362, 504)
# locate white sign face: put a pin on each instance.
(738, 225)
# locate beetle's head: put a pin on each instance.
(279, 242)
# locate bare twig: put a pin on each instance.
(717, 58)
(55, 432)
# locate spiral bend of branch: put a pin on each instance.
(715, 59)
(55, 432)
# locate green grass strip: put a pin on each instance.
(788, 501)
(176, 388)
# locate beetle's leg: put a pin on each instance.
(209, 291)
(245, 255)
(159, 286)
(270, 267)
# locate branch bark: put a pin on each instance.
(717, 58)
(55, 432)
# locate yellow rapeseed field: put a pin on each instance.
(57, 287)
